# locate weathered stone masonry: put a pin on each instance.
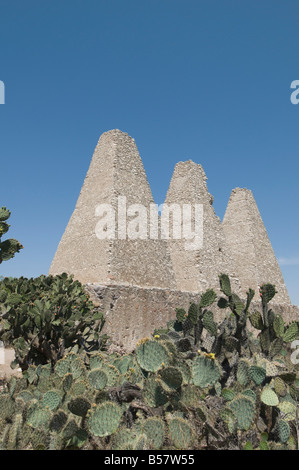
(116, 170)
(139, 283)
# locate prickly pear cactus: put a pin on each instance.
(79, 406)
(104, 419)
(151, 355)
(97, 379)
(9, 247)
(154, 429)
(225, 285)
(170, 378)
(197, 383)
(243, 409)
(206, 371)
(181, 433)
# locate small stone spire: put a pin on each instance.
(198, 270)
(253, 256)
(116, 177)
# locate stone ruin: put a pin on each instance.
(139, 278)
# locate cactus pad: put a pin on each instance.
(278, 325)
(154, 429)
(243, 376)
(180, 314)
(38, 417)
(225, 284)
(207, 298)
(58, 420)
(256, 320)
(96, 361)
(269, 397)
(288, 410)
(206, 371)
(209, 324)
(104, 419)
(193, 313)
(283, 431)
(180, 433)
(267, 292)
(257, 374)
(51, 399)
(291, 333)
(151, 355)
(97, 378)
(171, 379)
(79, 406)
(153, 393)
(244, 411)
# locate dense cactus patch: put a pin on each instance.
(46, 317)
(194, 384)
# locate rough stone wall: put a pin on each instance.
(116, 170)
(132, 313)
(250, 247)
(198, 270)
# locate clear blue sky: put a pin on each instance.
(207, 80)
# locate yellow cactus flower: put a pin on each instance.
(210, 355)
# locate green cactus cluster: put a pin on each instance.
(10, 246)
(45, 317)
(195, 384)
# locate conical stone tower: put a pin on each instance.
(198, 269)
(107, 240)
(249, 244)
